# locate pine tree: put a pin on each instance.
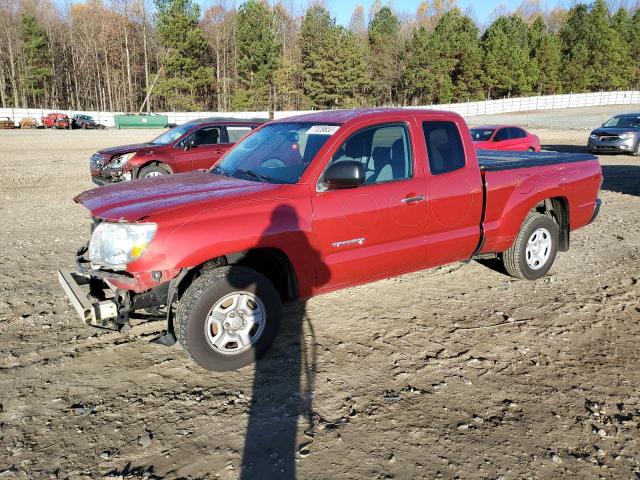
(385, 48)
(545, 58)
(37, 58)
(610, 61)
(185, 79)
(507, 68)
(634, 47)
(319, 44)
(458, 36)
(257, 59)
(574, 36)
(353, 70)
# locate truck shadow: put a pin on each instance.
(616, 178)
(621, 179)
(566, 148)
(280, 424)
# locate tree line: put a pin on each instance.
(130, 55)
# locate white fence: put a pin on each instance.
(470, 109)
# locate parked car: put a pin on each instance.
(619, 134)
(83, 121)
(312, 204)
(56, 120)
(194, 145)
(504, 137)
(28, 122)
(6, 123)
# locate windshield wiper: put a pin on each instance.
(253, 174)
(221, 171)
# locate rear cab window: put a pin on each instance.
(444, 146)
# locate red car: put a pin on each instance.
(315, 203)
(504, 137)
(191, 146)
(56, 120)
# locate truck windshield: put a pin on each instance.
(277, 153)
(481, 134)
(623, 121)
(171, 135)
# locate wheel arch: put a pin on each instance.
(273, 263)
(155, 162)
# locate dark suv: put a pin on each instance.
(194, 145)
(619, 134)
(83, 121)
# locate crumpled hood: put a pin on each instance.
(138, 147)
(614, 130)
(137, 199)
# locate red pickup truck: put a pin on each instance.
(315, 203)
(190, 146)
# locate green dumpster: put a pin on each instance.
(141, 121)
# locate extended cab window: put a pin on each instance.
(444, 147)
(384, 152)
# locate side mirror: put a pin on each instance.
(345, 174)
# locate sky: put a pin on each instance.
(342, 9)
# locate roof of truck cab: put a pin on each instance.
(344, 116)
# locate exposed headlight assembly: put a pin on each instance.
(594, 136)
(120, 160)
(624, 136)
(116, 244)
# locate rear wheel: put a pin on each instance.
(636, 152)
(531, 149)
(152, 171)
(228, 318)
(534, 250)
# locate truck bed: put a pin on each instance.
(493, 160)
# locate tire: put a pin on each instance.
(197, 332)
(152, 171)
(636, 152)
(531, 149)
(532, 263)
(84, 126)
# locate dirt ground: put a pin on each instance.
(457, 372)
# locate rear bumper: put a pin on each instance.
(90, 312)
(596, 210)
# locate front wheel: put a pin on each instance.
(636, 152)
(534, 250)
(228, 318)
(152, 171)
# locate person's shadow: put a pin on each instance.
(283, 379)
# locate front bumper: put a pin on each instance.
(618, 146)
(90, 312)
(108, 176)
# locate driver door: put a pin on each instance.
(377, 229)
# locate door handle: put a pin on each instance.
(418, 198)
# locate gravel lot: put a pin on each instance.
(457, 372)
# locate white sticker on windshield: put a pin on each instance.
(323, 130)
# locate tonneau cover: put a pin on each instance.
(491, 160)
